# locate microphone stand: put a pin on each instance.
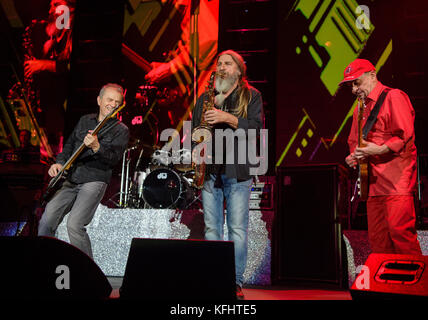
(127, 178)
(121, 180)
(124, 181)
(139, 192)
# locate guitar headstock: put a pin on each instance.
(360, 106)
(116, 110)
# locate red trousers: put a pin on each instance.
(392, 225)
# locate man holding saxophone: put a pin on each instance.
(237, 108)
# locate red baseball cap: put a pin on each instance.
(356, 68)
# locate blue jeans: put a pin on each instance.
(237, 195)
(81, 202)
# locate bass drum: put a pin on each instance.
(163, 188)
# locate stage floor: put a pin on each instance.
(268, 292)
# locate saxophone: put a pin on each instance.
(29, 86)
(26, 88)
(202, 134)
(27, 92)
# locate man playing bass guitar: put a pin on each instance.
(390, 151)
(87, 179)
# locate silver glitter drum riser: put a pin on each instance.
(112, 230)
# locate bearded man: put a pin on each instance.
(238, 107)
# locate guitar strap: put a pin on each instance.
(375, 111)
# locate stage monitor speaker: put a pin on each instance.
(392, 276)
(48, 268)
(179, 270)
(307, 244)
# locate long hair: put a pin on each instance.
(244, 92)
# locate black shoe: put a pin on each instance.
(239, 293)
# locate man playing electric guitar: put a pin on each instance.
(87, 179)
(390, 151)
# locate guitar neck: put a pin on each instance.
(360, 123)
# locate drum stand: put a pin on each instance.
(126, 188)
(198, 198)
(124, 194)
(139, 183)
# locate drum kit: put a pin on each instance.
(164, 183)
(161, 179)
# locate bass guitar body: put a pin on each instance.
(53, 186)
(363, 180)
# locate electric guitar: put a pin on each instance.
(363, 174)
(56, 182)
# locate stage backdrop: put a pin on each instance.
(178, 40)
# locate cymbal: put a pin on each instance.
(183, 167)
(137, 143)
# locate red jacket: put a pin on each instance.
(393, 173)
